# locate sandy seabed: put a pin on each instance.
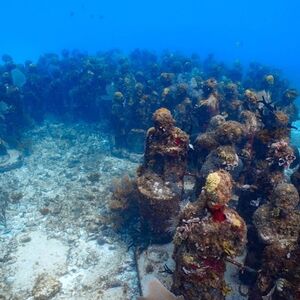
(57, 243)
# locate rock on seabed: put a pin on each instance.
(45, 287)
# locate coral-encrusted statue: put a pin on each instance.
(208, 105)
(279, 221)
(119, 119)
(279, 278)
(160, 178)
(278, 227)
(208, 232)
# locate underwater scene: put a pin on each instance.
(149, 150)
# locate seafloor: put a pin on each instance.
(57, 230)
(58, 242)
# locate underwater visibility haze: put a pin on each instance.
(264, 31)
(149, 150)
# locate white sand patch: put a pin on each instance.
(38, 256)
(97, 269)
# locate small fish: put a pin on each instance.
(191, 146)
(292, 127)
(155, 290)
(256, 202)
(235, 197)
(224, 114)
(246, 187)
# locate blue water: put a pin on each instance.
(264, 31)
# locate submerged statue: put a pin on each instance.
(160, 178)
(208, 233)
